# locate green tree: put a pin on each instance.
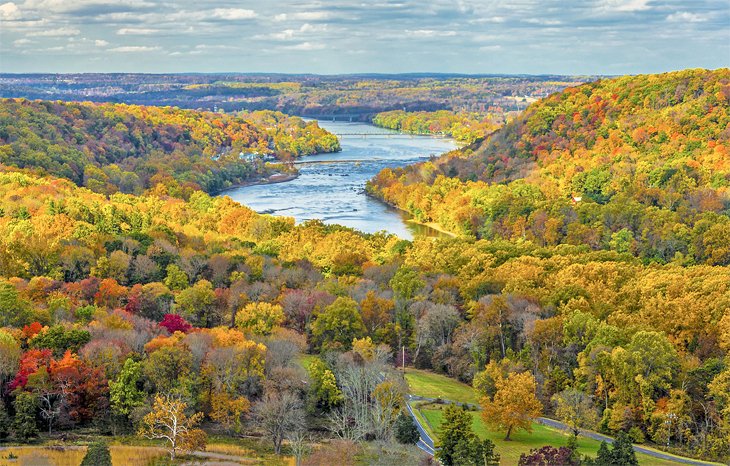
(324, 387)
(5, 422)
(621, 452)
(196, 304)
(169, 367)
(455, 434)
(14, 311)
(123, 392)
(97, 455)
(405, 429)
(475, 452)
(338, 325)
(176, 279)
(405, 283)
(59, 339)
(24, 423)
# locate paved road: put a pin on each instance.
(426, 442)
(586, 433)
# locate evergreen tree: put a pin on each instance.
(5, 422)
(24, 425)
(459, 445)
(406, 431)
(621, 452)
(97, 455)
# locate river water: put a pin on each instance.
(331, 187)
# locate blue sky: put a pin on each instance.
(344, 36)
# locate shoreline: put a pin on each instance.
(432, 225)
(272, 179)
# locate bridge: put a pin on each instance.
(386, 135)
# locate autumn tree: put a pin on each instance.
(259, 318)
(514, 405)
(338, 325)
(575, 409)
(168, 421)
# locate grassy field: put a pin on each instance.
(430, 385)
(60, 456)
(523, 442)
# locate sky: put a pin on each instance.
(358, 36)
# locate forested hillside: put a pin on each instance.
(599, 284)
(462, 126)
(633, 164)
(128, 148)
(104, 285)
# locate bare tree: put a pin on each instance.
(299, 445)
(279, 414)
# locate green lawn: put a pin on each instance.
(304, 360)
(523, 442)
(430, 385)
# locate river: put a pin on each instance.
(331, 187)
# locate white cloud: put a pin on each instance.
(9, 11)
(303, 16)
(101, 43)
(543, 22)
(137, 31)
(306, 46)
(134, 48)
(490, 48)
(623, 5)
(429, 33)
(233, 14)
(686, 17)
(291, 34)
(58, 32)
(21, 42)
(65, 6)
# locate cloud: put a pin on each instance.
(137, 31)
(686, 17)
(101, 43)
(233, 14)
(9, 11)
(543, 21)
(303, 16)
(429, 33)
(21, 42)
(291, 34)
(624, 5)
(135, 49)
(58, 32)
(84, 6)
(305, 46)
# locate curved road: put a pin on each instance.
(426, 439)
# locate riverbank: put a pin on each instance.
(271, 179)
(432, 225)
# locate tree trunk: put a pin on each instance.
(509, 432)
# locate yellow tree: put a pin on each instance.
(514, 405)
(168, 421)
